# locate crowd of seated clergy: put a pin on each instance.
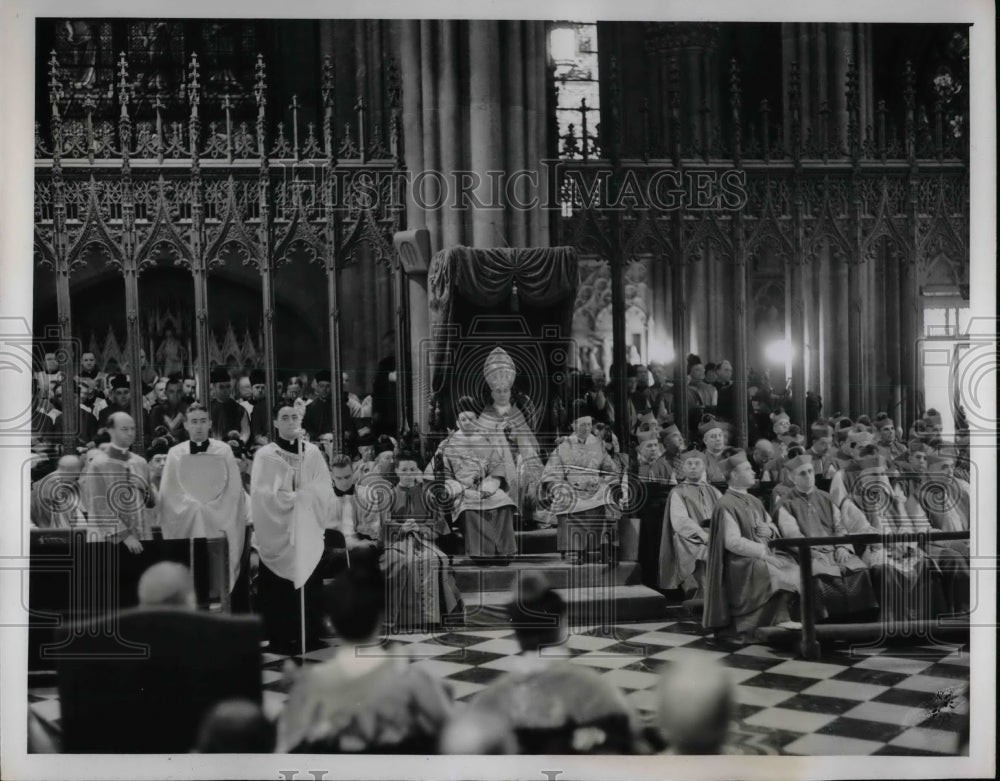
(706, 512)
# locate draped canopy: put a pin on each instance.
(538, 282)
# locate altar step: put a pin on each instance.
(608, 605)
(595, 593)
(473, 578)
(536, 541)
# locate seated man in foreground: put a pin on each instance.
(747, 585)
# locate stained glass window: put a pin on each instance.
(158, 57)
(87, 61)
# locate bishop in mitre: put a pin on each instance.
(291, 497)
(506, 426)
(201, 492)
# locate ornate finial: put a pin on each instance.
(393, 85)
(327, 84)
(260, 83)
(909, 85)
(55, 83)
(124, 88)
(499, 370)
(194, 87)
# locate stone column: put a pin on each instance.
(469, 104)
(823, 53)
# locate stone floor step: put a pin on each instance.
(536, 541)
(607, 605)
(473, 577)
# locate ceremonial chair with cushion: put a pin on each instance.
(144, 685)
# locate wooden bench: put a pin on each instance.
(809, 645)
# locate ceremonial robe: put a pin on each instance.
(185, 515)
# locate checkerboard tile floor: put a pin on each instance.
(903, 700)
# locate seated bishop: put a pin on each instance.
(579, 478)
(684, 549)
(747, 584)
(201, 490)
(844, 585)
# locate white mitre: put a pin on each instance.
(499, 370)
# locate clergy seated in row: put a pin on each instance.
(747, 584)
(934, 493)
(318, 418)
(421, 587)
(225, 411)
(821, 449)
(713, 433)
(684, 547)
(649, 489)
(553, 705)
(906, 577)
(201, 490)
(156, 457)
(780, 423)
(170, 413)
(889, 447)
(578, 482)
(844, 587)
(475, 475)
(368, 697)
(386, 523)
(114, 488)
(120, 400)
(672, 442)
(291, 496)
(764, 460)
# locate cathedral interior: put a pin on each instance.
(190, 178)
(391, 201)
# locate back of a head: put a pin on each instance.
(167, 584)
(235, 727)
(478, 732)
(695, 706)
(536, 611)
(355, 601)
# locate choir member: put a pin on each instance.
(290, 500)
(258, 400)
(226, 413)
(121, 400)
(209, 504)
(170, 413)
(319, 413)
